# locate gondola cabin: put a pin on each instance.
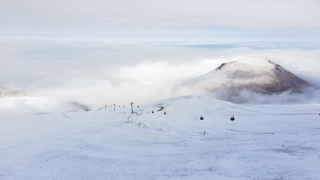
(201, 118)
(232, 118)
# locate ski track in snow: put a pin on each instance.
(264, 142)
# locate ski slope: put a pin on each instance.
(264, 142)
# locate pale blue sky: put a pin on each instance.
(178, 21)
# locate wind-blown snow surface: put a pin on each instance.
(264, 142)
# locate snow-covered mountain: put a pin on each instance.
(9, 92)
(251, 74)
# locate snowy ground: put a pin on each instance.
(264, 142)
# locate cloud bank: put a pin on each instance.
(98, 73)
(104, 52)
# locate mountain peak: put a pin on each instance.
(257, 61)
(250, 61)
(253, 74)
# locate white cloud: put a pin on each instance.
(58, 48)
(95, 73)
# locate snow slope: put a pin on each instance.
(264, 142)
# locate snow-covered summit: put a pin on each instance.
(252, 74)
(257, 61)
(252, 63)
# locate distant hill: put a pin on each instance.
(8, 92)
(251, 74)
(20, 99)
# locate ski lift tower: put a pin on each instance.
(114, 107)
(131, 104)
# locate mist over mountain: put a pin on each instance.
(231, 80)
(9, 92)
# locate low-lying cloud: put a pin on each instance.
(98, 73)
(308, 95)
